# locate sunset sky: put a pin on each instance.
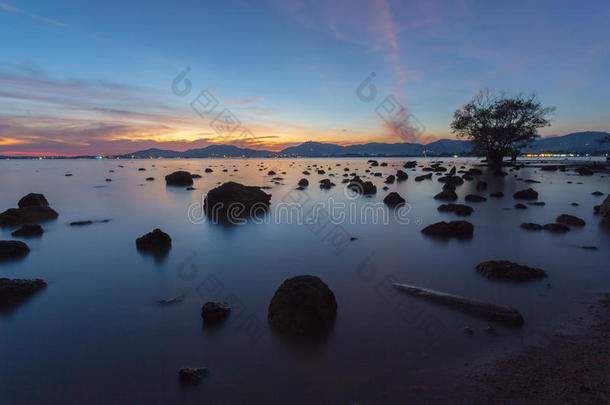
(96, 77)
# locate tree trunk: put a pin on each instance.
(494, 159)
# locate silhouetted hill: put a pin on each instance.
(578, 142)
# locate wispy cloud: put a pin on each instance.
(390, 34)
(47, 20)
(241, 102)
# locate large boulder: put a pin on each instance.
(303, 305)
(19, 216)
(527, 194)
(179, 178)
(33, 200)
(32, 208)
(12, 291)
(457, 229)
(362, 187)
(13, 249)
(393, 200)
(570, 220)
(233, 200)
(156, 241)
(505, 270)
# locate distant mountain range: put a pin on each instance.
(579, 142)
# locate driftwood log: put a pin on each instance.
(485, 309)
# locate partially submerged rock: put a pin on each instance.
(459, 209)
(446, 195)
(362, 187)
(190, 375)
(531, 226)
(570, 220)
(457, 229)
(33, 200)
(27, 231)
(455, 180)
(13, 291)
(475, 198)
(401, 176)
(326, 184)
(303, 305)
(393, 200)
(556, 228)
(156, 241)
(527, 194)
(303, 183)
(424, 177)
(214, 312)
(233, 200)
(13, 249)
(179, 178)
(505, 270)
(32, 208)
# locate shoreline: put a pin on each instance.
(572, 367)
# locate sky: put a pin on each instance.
(116, 77)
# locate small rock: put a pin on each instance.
(214, 312)
(474, 198)
(527, 194)
(28, 231)
(12, 291)
(505, 270)
(459, 209)
(155, 241)
(458, 229)
(570, 220)
(531, 226)
(13, 249)
(393, 200)
(446, 195)
(556, 228)
(190, 375)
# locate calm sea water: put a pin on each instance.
(96, 334)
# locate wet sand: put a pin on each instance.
(572, 367)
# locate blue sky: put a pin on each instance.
(87, 77)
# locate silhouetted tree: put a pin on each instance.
(499, 125)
